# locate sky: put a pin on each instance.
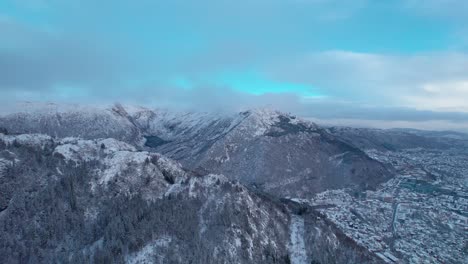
(375, 62)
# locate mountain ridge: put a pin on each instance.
(104, 201)
(275, 151)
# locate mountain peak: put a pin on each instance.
(265, 112)
(266, 120)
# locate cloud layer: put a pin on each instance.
(404, 61)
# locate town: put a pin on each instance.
(419, 216)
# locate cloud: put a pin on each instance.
(444, 96)
(35, 60)
(373, 79)
(225, 99)
(107, 51)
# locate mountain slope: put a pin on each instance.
(274, 151)
(72, 121)
(102, 201)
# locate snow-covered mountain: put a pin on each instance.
(58, 120)
(72, 200)
(125, 184)
(276, 152)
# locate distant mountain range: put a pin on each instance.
(399, 139)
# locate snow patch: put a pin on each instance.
(205, 181)
(149, 253)
(31, 140)
(112, 145)
(296, 246)
(119, 161)
(71, 153)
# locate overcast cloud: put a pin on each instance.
(382, 63)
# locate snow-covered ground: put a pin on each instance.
(149, 254)
(297, 249)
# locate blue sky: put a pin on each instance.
(375, 60)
